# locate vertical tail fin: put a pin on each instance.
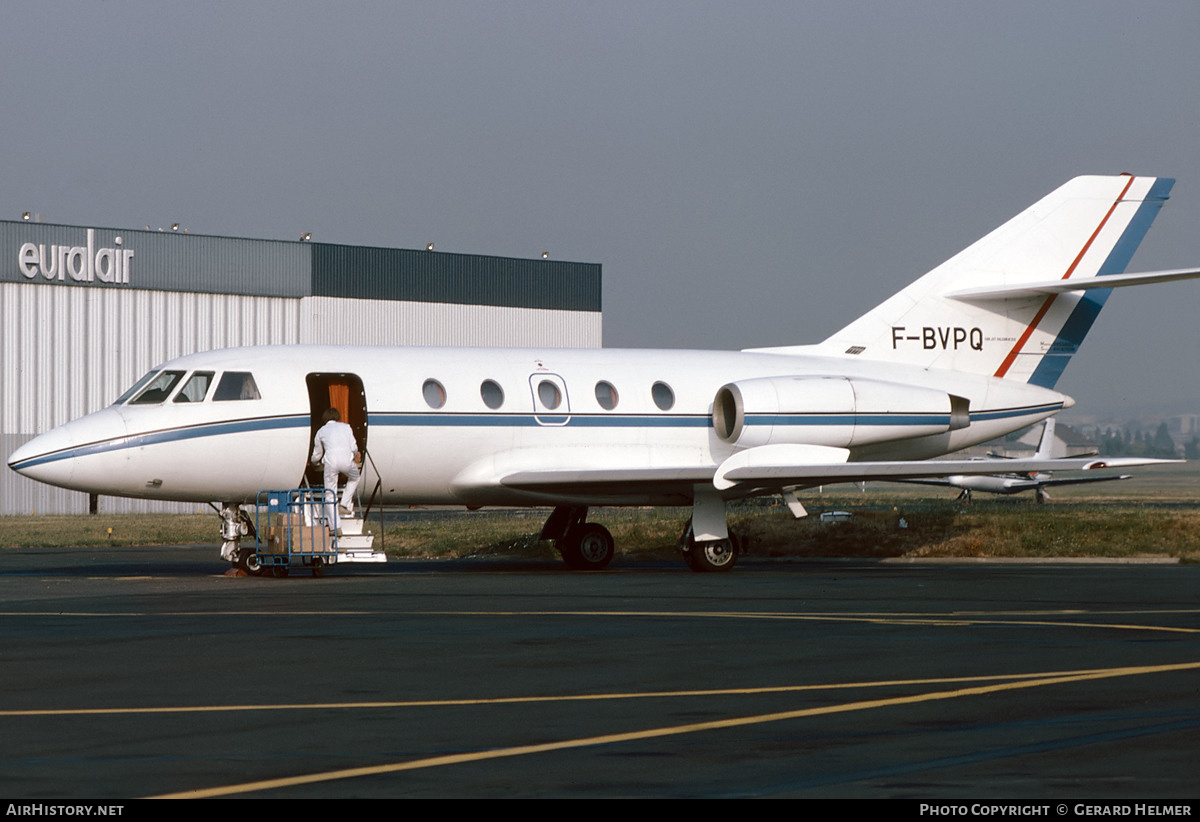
(1088, 228)
(1050, 447)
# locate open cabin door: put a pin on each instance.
(345, 393)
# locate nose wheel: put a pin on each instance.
(249, 562)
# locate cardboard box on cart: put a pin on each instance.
(305, 539)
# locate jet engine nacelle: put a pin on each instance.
(835, 411)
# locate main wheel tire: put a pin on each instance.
(713, 555)
(587, 547)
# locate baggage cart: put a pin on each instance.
(291, 532)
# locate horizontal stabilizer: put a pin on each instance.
(1047, 287)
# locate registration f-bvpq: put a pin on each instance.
(968, 352)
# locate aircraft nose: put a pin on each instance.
(54, 457)
(42, 458)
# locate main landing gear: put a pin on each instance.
(710, 555)
(706, 544)
(584, 546)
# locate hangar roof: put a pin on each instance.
(61, 255)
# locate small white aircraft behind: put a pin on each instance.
(1008, 483)
(967, 353)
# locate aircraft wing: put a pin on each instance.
(768, 466)
(621, 473)
(791, 465)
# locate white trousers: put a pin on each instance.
(332, 469)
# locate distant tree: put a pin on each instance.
(1162, 445)
(1111, 444)
(1191, 449)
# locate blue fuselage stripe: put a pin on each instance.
(500, 420)
(190, 432)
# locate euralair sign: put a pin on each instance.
(88, 263)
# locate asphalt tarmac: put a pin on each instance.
(136, 672)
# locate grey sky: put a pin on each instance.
(748, 174)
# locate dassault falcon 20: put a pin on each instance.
(968, 352)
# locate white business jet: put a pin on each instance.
(1049, 448)
(968, 352)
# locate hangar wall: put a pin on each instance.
(377, 322)
(84, 312)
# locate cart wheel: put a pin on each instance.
(318, 567)
(280, 571)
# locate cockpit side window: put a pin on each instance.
(137, 386)
(195, 388)
(159, 388)
(236, 385)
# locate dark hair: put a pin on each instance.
(331, 414)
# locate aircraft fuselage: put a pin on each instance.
(449, 425)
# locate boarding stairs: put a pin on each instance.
(353, 545)
(353, 542)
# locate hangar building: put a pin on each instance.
(85, 312)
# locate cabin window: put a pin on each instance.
(606, 395)
(196, 388)
(434, 393)
(549, 395)
(492, 393)
(159, 388)
(236, 385)
(137, 386)
(664, 397)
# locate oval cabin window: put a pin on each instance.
(492, 393)
(549, 394)
(664, 397)
(606, 395)
(435, 395)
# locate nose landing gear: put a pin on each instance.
(235, 524)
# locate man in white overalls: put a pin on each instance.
(336, 447)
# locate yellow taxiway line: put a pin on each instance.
(1020, 682)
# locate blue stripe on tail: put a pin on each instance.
(1080, 322)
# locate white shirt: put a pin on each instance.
(336, 441)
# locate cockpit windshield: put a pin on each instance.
(159, 388)
(195, 388)
(137, 386)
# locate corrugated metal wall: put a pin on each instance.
(436, 277)
(65, 352)
(385, 322)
